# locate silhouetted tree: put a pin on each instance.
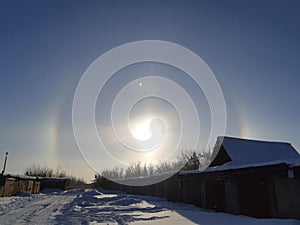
(187, 160)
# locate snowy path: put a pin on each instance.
(108, 208)
(40, 209)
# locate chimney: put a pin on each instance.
(4, 163)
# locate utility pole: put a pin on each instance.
(4, 163)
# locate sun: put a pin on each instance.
(142, 130)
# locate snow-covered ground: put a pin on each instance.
(105, 207)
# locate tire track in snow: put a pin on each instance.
(40, 210)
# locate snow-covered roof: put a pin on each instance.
(229, 166)
(247, 152)
(54, 178)
(25, 177)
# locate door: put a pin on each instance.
(254, 197)
(215, 195)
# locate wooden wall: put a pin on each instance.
(13, 186)
(261, 192)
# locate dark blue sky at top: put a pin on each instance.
(45, 46)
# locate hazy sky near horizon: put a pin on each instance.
(45, 47)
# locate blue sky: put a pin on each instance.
(45, 46)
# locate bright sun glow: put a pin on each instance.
(142, 131)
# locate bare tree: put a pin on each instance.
(39, 171)
(187, 160)
(44, 171)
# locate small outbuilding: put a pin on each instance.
(54, 183)
(11, 185)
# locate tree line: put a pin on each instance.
(187, 160)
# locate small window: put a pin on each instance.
(290, 174)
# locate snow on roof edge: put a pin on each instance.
(253, 139)
(291, 163)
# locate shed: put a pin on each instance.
(253, 177)
(54, 183)
(12, 184)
